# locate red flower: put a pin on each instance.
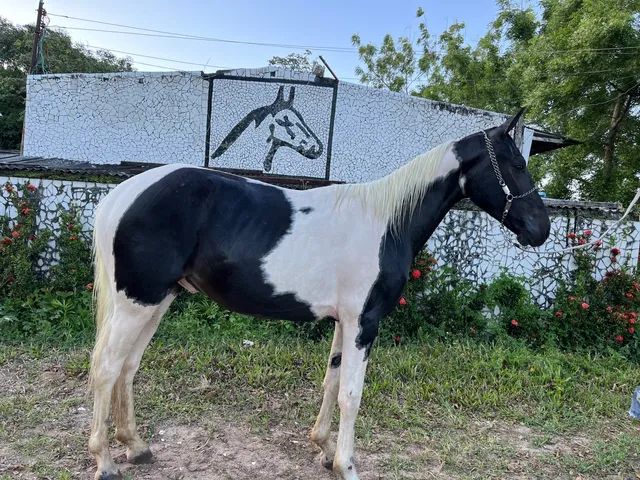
(633, 316)
(632, 321)
(416, 274)
(632, 330)
(613, 259)
(558, 314)
(629, 294)
(26, 211)
(89, 286)
(619, 339)
(70, 226)
(609, 309)
(514, 322)
(636, 286)
(8, 187)
(581, 241)
(597, 245)
(587, 233)
(402, 301)
(584, 305)
(7, 241)
(15, 234)
(73, 237)
(31, 187)
(615, 251)
(571, 236)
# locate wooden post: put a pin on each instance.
(36, 37)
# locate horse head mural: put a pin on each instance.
(287, 129)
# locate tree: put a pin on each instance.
(298, 62)
(574, 63)
(397, 68)
(61, 56)
(581, 76)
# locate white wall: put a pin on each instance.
(109, 118)
(161, 118)
(470, 241)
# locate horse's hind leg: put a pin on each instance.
(331, 383)
(118, 337)
(122, 397)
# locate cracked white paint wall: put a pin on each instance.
(161, 118)
(114, 117)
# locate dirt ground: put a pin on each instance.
(53, 444)
(46, 425)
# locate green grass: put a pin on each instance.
(461, 406)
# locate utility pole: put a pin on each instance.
(36, 36)
(34, 54)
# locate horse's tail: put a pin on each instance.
(102, 303)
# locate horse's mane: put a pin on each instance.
(396, 196)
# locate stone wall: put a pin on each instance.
(468, 240)
(309, 126)
(109, 118)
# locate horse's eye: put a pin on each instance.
(519, 166)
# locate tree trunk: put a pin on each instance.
(620, 111)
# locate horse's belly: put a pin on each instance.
(243, 289)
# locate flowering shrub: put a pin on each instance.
(20, 242)
(74, 269)
(587, 313)
(435, 300)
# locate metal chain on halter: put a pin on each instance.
(505, 188)
(511, 198)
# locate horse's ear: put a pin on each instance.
(510, 124)
(280, 96)
(292, 94)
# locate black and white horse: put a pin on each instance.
(341, 251)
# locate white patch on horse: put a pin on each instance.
(323, 256)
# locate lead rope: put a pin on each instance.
(510, 198)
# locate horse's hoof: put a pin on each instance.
(143, 457)
(326, 462)
(110, 476)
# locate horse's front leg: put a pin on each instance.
(322, 428)
(352, 371)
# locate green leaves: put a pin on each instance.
(61, 55)
(574, 64)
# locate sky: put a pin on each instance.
(326, 23)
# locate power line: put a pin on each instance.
(157, 58)
(166, 34)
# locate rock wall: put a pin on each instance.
(271, 120)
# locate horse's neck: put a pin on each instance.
(438, 200)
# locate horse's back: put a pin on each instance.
(210, 228)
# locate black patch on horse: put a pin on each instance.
(397, 251)
(212, 229)
(336, 360)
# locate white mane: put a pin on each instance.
(394, 197)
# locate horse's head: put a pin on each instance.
(494, 175)
(288, 128)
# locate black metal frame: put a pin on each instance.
(318, 82)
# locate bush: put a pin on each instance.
(588, 314)
(21, 244)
